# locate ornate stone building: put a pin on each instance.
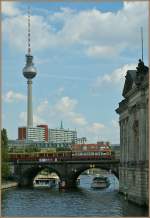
(133, 119)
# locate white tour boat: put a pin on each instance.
(45, 181)
(100, 182)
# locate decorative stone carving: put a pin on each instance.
(141, 105)
(132, 109)
(141, 72)
(130, 78)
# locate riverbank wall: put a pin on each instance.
(8, 185)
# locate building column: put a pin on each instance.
(142, 131)
(121, 140)
(127, 139)
(130, 138)
(147, 130)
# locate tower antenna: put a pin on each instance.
(142, 41)
(29, 32)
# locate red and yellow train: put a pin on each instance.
(61, 155)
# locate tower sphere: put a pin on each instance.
(29, 71)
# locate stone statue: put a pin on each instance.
(141, 72)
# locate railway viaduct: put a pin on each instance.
(68, 171)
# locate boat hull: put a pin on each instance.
(100, 183)
(99, 186)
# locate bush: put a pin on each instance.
(4, 154)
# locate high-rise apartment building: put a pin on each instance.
(36, 133)
(62, 137)
(45, 131)
(57, 137)
(22, 135)
(32, 134)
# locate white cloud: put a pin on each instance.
(77, 119)
(94, 131)
(38, 25)
(42, 108)
(117, 77)
(10, 8)
(12, 96)
(102, 51)
(61, 16)
(97, 33)
(93, 32)
(65, 109)
(96, 128)
(36, 119)
(66, 104)
(115, 124)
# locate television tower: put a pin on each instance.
(29, 72)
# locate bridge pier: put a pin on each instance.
(67, 183)
(24, 182)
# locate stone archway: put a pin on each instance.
(72, 183)
(28, 175)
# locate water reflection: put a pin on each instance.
(83, 201)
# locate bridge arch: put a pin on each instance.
(77, 172)
(28, 175)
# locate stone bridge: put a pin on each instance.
(68, 171)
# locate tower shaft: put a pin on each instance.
(29, 105)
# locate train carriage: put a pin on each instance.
(61, 155)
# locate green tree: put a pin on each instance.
(63, 149)
(4, 154)
(32, 148)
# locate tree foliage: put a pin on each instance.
(4, 154)
(63, 149)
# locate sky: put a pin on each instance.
(82, 52)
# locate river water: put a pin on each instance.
(81, 202)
